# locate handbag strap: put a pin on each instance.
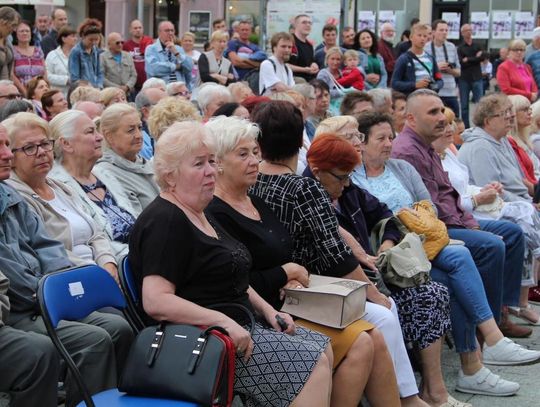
(240, 307)
(378, 230)
(200, 346)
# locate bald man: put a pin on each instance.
(118, 67)
(59, 19)
(136, 47)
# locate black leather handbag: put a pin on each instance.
(182, 362)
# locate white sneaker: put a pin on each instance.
(507, 352)
(487, 383)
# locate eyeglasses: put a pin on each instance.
(183, 93)
(517, 49)
(525, 110)
(507, 114)
(119, 42)
(341, 178)
(32, 149)
(355, 134)
(11, 96)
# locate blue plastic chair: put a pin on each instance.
(72, 295)
(129, 287)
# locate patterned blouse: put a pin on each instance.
(120, 220)
(26, 67)
(304, 208)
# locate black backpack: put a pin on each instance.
(252, 78)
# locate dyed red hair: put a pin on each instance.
(252, 101)
(329, 151)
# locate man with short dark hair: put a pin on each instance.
(302, 60)
(470, 56)
(59, 20)
(329, 34)
(275, 76)
(136, 47)
(499, 260)
(41, 28)
(447, 59)
(355, 103)
(243, 54)
(219, 24)
(322, 102)
(347, 38)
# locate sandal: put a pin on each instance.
(527, 314)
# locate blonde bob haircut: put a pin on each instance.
(227, 132)
(107, 95)
(174, 146)
(111, 118)
(24, 121)
(169, 110)
(85, 94)
(218, 36)
(332, 51)
(64, 126)
(335, 124)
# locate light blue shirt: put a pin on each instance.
(160, 63)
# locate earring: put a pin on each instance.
(220, 170)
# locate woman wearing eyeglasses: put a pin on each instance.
(57, 205)
(514, 76)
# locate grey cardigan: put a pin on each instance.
(409, 178)
(135, 178)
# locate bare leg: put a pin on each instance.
(382, 389)
(352, 373)
(490, 331)
(413, 401)
(433, 389)
(470, 363)
(316, 391)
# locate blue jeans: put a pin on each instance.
(498, 250)
(453, 103)
(454, 267)
(465, 88)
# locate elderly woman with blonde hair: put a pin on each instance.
(112, 95)
(84, 93)
(343, 126)
(184, 262)
(56, 204)
(170, 110)
(120, 125)
(78, 145)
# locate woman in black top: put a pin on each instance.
(362, 361)
(183, 262)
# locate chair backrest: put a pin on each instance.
(129, 286)
(72, 295)
(75, 293)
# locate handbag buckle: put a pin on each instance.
(155, 345)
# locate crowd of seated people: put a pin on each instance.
(218, 194)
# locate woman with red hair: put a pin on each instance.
(424, 310)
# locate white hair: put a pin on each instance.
(172, 85)
(227, 132)
(154, 83)
(64, 125)
(380, 98)
(211, 91)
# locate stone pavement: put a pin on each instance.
(527, 376)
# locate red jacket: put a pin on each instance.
(351, 77)
(510, 82)
(387, 52)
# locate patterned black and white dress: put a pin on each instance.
(207, 271)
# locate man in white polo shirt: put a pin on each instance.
(275, 75)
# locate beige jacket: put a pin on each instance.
(115, 74)
(58, 226)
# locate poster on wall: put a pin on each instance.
(386, 16)
(280, 15)
(366, 20)
(199, 24)
(523, 24)
(454, 21)
(501, 25)
(480, 24)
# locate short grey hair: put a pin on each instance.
(488, 106)
(64, 125)
(154, 82)
(6, 82)
(141, 100)
(227, 132)
(305, 89)
(380, 97)
(172, 85)
(209, 92)
(15, 106)
(177, 143)
(335, 124)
